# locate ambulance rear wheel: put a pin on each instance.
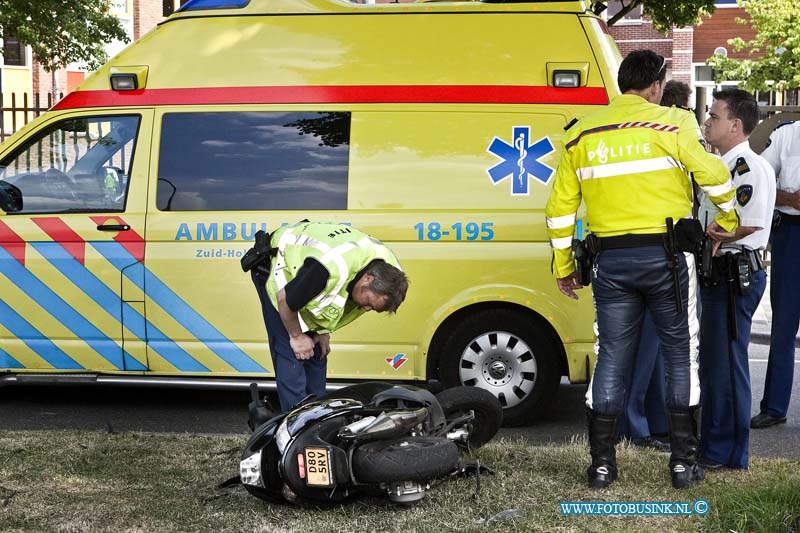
(507, 354)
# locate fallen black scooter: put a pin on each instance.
(367, 439)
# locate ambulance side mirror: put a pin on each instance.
(10, 197)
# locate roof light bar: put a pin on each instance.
(194, 5)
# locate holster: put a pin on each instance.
(742, 273)
(673, 261)
(710, 276)
(259, 255)
(736, 268)
(585, 252)
(689, 235)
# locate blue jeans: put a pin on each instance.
(625, 282)
(725, 373)
(294, 378)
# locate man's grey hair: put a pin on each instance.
(388, 281)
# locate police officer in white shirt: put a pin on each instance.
(783, 153)
(730, 299)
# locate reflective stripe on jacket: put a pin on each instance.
(629, 163)
(342, 250)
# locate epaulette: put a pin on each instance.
(570, 124)
(741, 166)
(685, 108)
(782, 124)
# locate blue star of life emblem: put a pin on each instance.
(520, 160)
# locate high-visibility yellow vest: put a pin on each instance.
(342, 250)
(630, 162)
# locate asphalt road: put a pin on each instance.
(100, 408)
(567, 417)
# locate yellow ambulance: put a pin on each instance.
(435, 127)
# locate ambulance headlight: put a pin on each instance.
(124, 82)
(250, 470)
(566, 78)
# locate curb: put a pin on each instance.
(764, 338)
(759, 338)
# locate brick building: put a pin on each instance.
(687, 49)
(20, 73)
(137, 17)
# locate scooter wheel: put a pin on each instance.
(404, 459)
(488, 411)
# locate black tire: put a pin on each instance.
(488, 411)
(405, 459)
(489, 341)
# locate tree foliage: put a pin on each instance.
(61, 32)
(775, 51)
(666, 13)
(332, 128)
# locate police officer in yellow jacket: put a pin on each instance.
(629, 163)
(322, 277)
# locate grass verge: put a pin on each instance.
(79, 481)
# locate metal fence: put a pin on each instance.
(23, 109)
(766, 111)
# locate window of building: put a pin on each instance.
(75, 166)
(170, 6)
(632, 17)
(253, 161)
(13, 51)
(703, 73)
(766, 97)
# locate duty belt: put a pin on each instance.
(753, 256)
(631, 240)
(756, 261)
(789, 219)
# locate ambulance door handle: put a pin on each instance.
(113, 227)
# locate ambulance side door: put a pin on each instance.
(71, 253)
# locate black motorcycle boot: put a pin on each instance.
(602, 434)
(683, 468)
(694, 441)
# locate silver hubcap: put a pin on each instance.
(498, 370)
(501, 363)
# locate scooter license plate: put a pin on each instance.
(318, 467)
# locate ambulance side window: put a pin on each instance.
(253, 161)
(74, 166)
